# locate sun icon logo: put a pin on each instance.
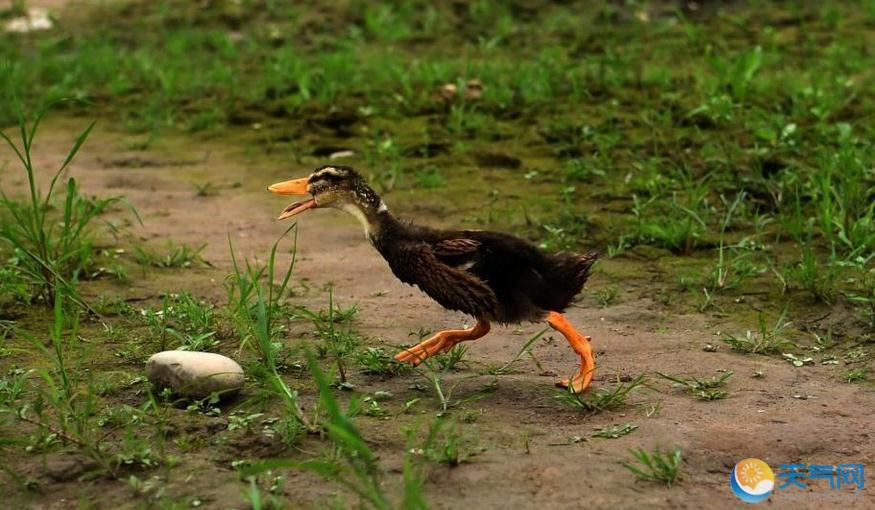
(752, 480)
(750, 474)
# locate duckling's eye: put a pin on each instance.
(317, 186)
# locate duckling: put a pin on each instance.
(491, 276)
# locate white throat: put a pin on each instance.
(359, 215)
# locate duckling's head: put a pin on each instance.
(335, 186)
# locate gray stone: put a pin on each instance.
(194, 374)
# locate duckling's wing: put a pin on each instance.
(453, 288)
(460, 253)
(456, 247)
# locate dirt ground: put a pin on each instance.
(530, 456)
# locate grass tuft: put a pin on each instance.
(703, 389)
(176, 255)
(656, 466)
(615, 431)
(601, 399)
(855, 375)
(768, 340)
(53, 249)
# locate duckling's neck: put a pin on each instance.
(367, 207)
(373, 219)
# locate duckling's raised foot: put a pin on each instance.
(580, 343)
(442, 341)
(577, 384)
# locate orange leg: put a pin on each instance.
(441, 342)
(580, 344)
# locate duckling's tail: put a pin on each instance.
(580, 269)
(568, 275)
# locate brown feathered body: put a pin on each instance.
(488, 275)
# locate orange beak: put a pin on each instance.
(293, 187)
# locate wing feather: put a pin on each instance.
(456, 247)
(453, 288)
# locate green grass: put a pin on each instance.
(175, 255)
(338, 338)
(451, 359)
(865, 298)
(183, 322)
(582, 170)
(447, 445)
(429, 177)
(855, 375)
(377, 361)
(354, 466)
(53, 249)
(615, 431)
(768, 340)
(254, 304)
(606, 296)
(61, 404)
(656, 466)
(207, 189)
(702, 389)
(601, 399)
